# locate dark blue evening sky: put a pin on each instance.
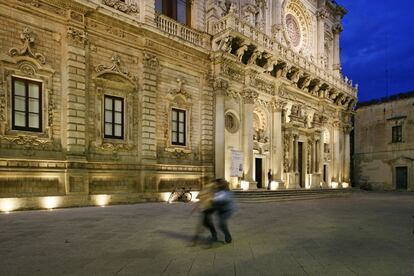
(378, 46)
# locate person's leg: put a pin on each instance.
(208, 223)
(223, 217)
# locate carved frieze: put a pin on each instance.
(28, 39)
(121, 5)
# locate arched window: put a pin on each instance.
(179, 10)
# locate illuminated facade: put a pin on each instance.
(124, 100)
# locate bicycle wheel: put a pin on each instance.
(187, 197)
(171, 198)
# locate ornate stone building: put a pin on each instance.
(124, 99)
(383, 144)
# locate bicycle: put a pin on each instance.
(183, 194)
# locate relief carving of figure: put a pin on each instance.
(240, 52)
(256, 54)
(260, 5)
(225, 44)
(270, 62)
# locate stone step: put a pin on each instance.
(291, 198)
(283, 195)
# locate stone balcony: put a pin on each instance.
(175, 29)
(299, 69)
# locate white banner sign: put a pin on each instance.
(236, 163)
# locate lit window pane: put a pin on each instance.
(19, 104)
(118, 105)
(174, 115)
(33, 90)
(181, 117)
(108, 116)
(34, 120)
(19, 119)
(118, 118)
(118, 130)
(181, 129)
(174, 127)
(19, 88)
(181, 138)
(174, 137)
(108, 104)
(108, 129)
(34, 105)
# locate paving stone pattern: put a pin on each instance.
(363, 234)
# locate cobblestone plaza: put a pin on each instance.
(362, 234)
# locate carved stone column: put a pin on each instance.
(277, 140)
(220, 134)
(336, 153)
(321, 16)
(337, 29)
(249, 98)
(347, 155)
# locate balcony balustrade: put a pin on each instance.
(270, 45)
(172, 27)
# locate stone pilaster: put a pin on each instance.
(249, 98)
(277, 140)
(75, 87)
(219, 135)
(148, 119)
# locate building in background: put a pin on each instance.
(384, 144)
(124, 100)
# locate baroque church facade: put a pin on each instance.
(129, 98)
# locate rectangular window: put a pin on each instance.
(179, 10)
(396, 134)
(26, 105)
(114, 117)
(178, 127)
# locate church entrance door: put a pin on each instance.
(300, 164)
(259, 172)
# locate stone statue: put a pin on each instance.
(240, 52)
(225, 44)
(256, 54)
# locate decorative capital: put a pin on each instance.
(321, 14)
(277, 105)
(28, 39)
(77, 37)
(151, 61)
(337, 28)
(250, 96)
(220, 84)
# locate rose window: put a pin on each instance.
(293, 30)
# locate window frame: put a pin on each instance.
(113, 136)
(169, 8)
(177, 142)
(397, 134)
(27, 112)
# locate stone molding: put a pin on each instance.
(250, 96)
(28, 39)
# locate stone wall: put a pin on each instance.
(80, 56)
(376, 154)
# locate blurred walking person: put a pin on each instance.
(224, 205)
(206, 208)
